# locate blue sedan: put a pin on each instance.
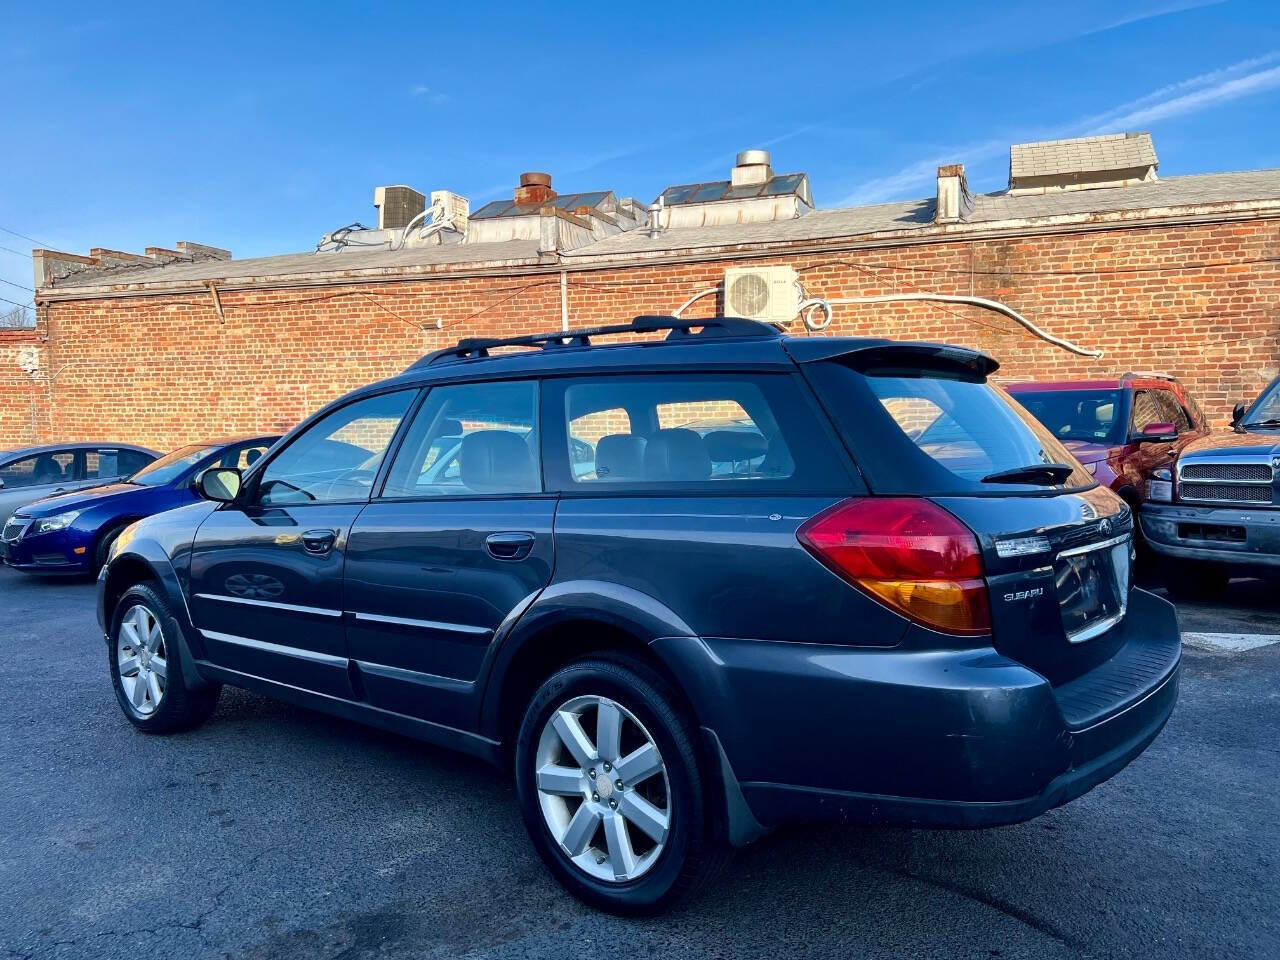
(73, 532)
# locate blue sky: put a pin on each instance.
(259, 127)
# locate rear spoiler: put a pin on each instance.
(890, 357)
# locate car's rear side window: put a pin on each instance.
(937, 432)
(690, 431)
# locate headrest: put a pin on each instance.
(251, 456)
(676, 454)
(734, 445)
(449, 427)
(46, 471)
(620, 456)
(497, 461)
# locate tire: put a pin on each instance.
(178, 707)
(103, 546)
(1191, 580)
(663, 871)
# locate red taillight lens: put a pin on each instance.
(908, 553)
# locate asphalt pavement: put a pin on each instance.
(274, 831)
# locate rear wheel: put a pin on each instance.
(610, 788)
(146, 670)
(1191, 580)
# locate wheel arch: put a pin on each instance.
(567, 622)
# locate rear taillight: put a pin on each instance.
(909, 554)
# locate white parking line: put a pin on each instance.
(1229, 642)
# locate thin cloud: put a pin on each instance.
(431, 96)
(1192, 95)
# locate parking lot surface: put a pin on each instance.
(274, 831)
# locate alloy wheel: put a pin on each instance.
(142, 659)
(605, 797)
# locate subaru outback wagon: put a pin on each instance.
(686, 589)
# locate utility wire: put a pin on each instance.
(18, 285)
(11, 250)
(14, 302)
(38, 243)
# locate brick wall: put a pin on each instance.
(24, 388)
(1201, 302)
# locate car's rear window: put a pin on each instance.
(936, 432)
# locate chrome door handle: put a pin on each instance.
(319, 542)
(509, 546)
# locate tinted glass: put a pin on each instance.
(1146, 411)
(44, 469)
(1172, 409)
(1267, 408)
(102, 464)
(337, 458)
(936, 434)
(695, 430)
(1088, 415)
(171, 466)
(241, 456)
(470, 439)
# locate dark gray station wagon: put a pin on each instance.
(688, 589)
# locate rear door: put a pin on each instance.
(266, 573)
(457, 543)
(1057, 555)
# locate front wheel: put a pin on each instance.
(146, 670)
(610, 788)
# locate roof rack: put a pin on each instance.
(1148, 375)
(679, 330)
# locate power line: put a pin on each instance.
(38, 243)
(18, 285)
(15, 303)
(11, 250)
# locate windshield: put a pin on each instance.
(928, 433)
(1092, 416)
(1266, 411)
(169, 468)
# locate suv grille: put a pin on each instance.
(1226, 492)
(1227, 471)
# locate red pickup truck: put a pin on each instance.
(1123, 430)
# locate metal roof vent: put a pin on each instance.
(752, 194)
(1085, 163)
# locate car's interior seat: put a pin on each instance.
(47, 470)
(497, 461)
(620, 456)
(676, 454)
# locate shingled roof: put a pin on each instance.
(1082, 161)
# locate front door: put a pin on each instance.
(458, 543)
(266, 573)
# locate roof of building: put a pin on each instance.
(775, 186)
(1047, 158)
(1170, 197)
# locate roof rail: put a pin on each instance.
(679, 330)
(1148, 375)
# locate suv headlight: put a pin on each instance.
(1160, 486)
(53, 524)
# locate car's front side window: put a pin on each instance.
(337, 458)
(469, 440)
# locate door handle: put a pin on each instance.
(319, 542)
(509, 546)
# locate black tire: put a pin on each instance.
(691, 854)
(180, 708)
(1192, 580)
(103, 546)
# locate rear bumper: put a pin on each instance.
(930, 738)
(1242, 538)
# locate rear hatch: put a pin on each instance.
(921, 420)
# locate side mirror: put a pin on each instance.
(1237, 413)
(1159, 432)
(220, 484)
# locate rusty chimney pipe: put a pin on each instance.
(534, 188)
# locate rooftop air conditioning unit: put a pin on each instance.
(761, 293)
(456, 208)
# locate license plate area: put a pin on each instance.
(1092, 582)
